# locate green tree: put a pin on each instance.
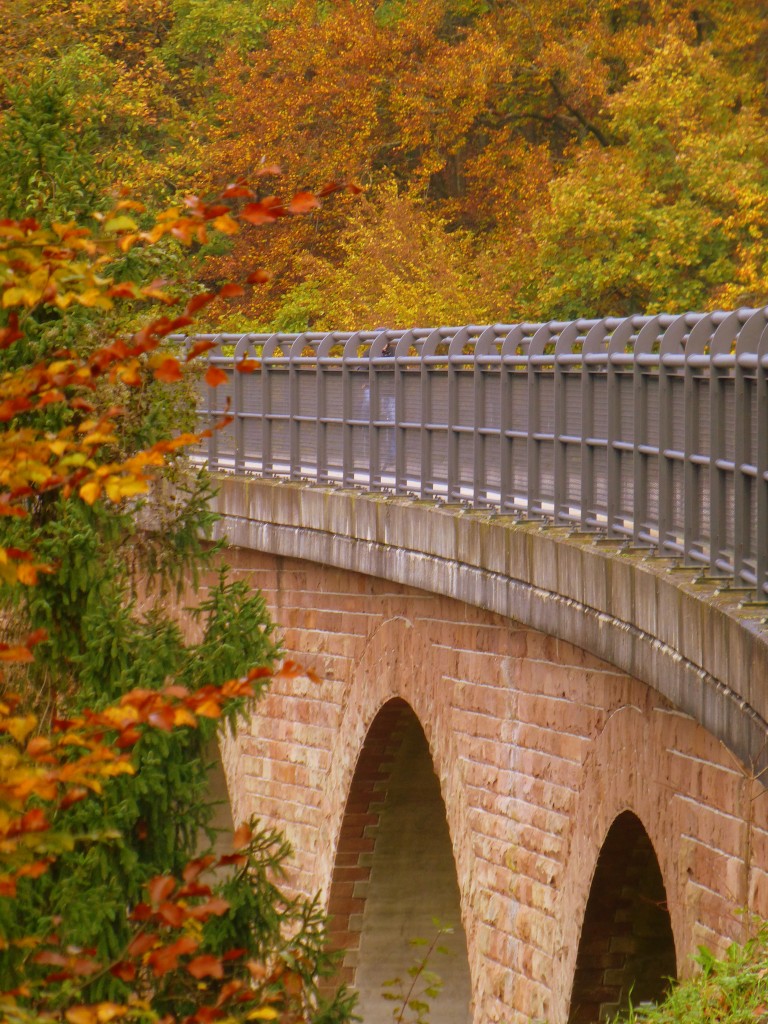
(94, 532)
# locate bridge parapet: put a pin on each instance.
(650, 430)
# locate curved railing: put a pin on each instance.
(648, 429)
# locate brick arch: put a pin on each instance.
(628, 738)
(394, 872)
(627, 949)
(398, 660)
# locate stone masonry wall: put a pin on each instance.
(538, 747)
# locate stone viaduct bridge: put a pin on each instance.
(526, 571)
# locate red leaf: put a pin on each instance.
(142, 944)
(265, 212)
(232, 858)
(230, 291)
(33, 870)
(124, 970)
(141, 912)
(195, 868)
(73, 796)
(291, 669)
(237, 190)
(242, 836)
(167, 958)
(160, 888)
(206, 966)
(10, 333)
(33, 821)
(330, 187)
(247, 365)
(127, 738)
(215, 376)
(172, 914)
(162, 718)
(124, 290)
(304, 202)
(215, 907)
(49, 957)
(216, 210)
(198, 302)
(259, 276)
(199, 347)
(168, 372)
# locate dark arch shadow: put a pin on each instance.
(627, 949)
(394, 873)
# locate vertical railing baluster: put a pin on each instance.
(241, 349)
(401, 345)
(566, 358)
(294, 453)
(536, 351)
(746, 484)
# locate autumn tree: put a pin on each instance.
(104, 908)
(510, 126)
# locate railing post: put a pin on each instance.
(746, 485)
(761, 399)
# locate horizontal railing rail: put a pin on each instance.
(652, 430)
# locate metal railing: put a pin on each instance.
(647, 429)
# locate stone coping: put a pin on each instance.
(696, 645)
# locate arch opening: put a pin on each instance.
(627, 948)
(395, 874)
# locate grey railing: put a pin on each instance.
(650, 429)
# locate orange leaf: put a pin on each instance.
(194, 868)
(304, 202)
(124, 970)
(166, 958)
(19, 655)
(247, 365)
(259, 276)
(142, 944)
(291, 669)
(199, 347)
(169, 371)
(172, 914)
(265, 212)
(215, 907)
(198, 302)
(237, 190)
(27, 574)
(215, 376)
(10, 333)
(242, 836)
(230, 291)
(206, 966)
(162, 718)
(90, 492)
(160, 888)
(82, 1015)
